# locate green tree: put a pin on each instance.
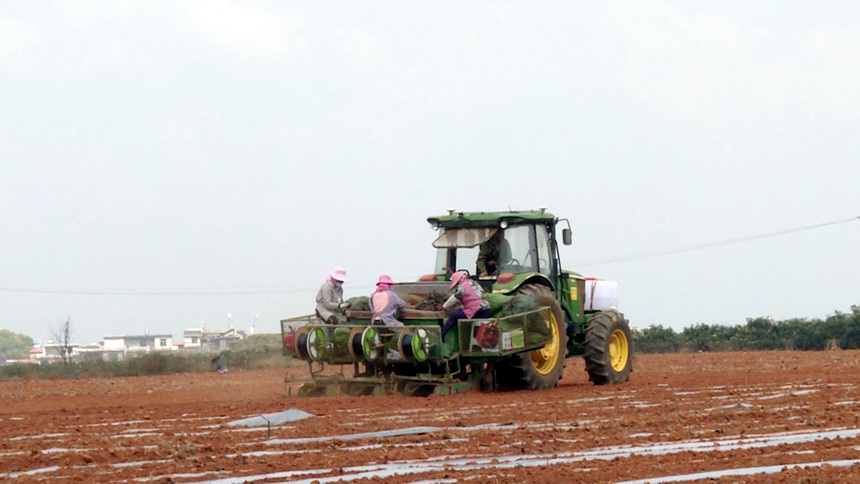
(851, 335)
(795, 334)
(705, 337)
(656, 339)
(758, 334)
(14, 346)
(843, 328)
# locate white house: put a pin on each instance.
(51, 352)
(210, 340)
(134, 343)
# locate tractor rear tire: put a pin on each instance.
(542, 368)
(608, 349)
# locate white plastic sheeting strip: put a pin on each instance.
(746, 471)
(366, 435)
(277, 418)
(538, 460)
(464, 463)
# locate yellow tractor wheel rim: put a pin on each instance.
(544, 359)
(618, 350)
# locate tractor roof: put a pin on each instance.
(490, 219)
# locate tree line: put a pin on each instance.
(839, 331)
(14, 346)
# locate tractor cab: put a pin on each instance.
(519, 249)
(501, 250)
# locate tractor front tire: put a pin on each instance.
(541, 368)
(608, 349)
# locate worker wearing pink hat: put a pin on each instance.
(467, 302)
(385, 303)
(338, 274)
(330, 306)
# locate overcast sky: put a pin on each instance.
(167, 163)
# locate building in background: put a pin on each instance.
(210, 340)
(118, 347)
(121, 346)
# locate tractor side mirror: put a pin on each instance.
(566, 237)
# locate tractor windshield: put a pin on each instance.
(522, 254)
(521, 249)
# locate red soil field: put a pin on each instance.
(780, 416)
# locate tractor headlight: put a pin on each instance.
(504, 224)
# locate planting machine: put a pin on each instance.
(540, 315)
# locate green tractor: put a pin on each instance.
(540, 315)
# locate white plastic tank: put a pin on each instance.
(600, 295)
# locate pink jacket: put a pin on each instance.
(465, 294)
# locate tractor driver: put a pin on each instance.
(492, 254)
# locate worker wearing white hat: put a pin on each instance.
(330, 305)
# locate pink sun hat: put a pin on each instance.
(384, 279)
(456, 277)
(338, 274)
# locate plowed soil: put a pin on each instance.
(724, 417)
